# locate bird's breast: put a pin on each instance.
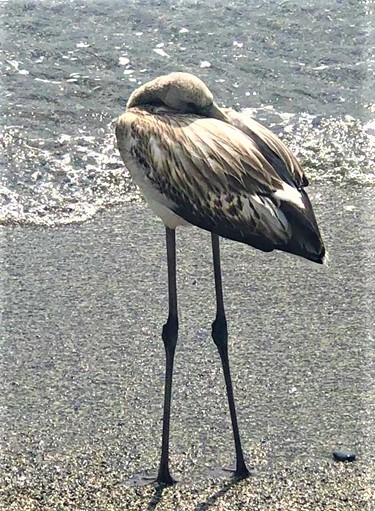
(134, 153)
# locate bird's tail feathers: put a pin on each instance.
(306, 240)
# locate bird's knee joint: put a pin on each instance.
(170, 332)
(220, 331)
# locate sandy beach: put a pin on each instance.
(83, 362)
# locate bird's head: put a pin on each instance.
(182, 92)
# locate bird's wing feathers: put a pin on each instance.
(276, 152)
(231, 154)
(212, 175)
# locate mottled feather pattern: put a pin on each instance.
(212, 179)
(271, 146)
(215, 168)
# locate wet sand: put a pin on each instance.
(82, 367)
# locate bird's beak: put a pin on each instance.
(216, 112)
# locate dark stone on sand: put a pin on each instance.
(343, 456)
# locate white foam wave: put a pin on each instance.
(69, 178)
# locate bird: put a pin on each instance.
(220, 170)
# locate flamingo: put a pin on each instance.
(217, 169)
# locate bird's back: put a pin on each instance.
(234, 179)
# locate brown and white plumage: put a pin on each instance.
(222, 171)
(215, 168)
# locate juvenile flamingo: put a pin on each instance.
(217, 169)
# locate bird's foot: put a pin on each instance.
(151, 478)
(164, 478)
(239, 472)
(242, 473)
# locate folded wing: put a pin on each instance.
(217, 177)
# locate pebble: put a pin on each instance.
(343, 456)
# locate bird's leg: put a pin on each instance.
(220, 337)
(170, 330)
